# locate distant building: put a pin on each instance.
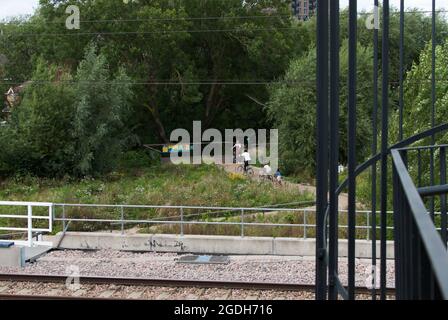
(303, 9)
(12, 98)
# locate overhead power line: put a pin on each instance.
(62, 22)
(216, 18)
(168, 82)
(198, 82)
(125, 33)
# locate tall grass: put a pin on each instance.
(139, 184)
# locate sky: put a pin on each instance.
(10, 8)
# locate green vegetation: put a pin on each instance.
(154, 185)
(292, 103)
(417, 88)
(292, 108)
(92, 97)
(60, 129)
(139, 182)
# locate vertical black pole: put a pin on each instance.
(401, 98)
(384, 143)
(322, 146)
(433, 68)
(334, 146)
(433, 99)
(443, 220)
(374, 144)
(397, 205)
(353, 22)
(400, 138)
(433, 117)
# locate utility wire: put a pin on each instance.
(126, 33)
(175, 19)
(158, 19)
(205, 18)
(206, 82)
(398, 12)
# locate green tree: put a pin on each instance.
(181, 55)
(292, 108)
(69, 125)
(417, 97)
(37, 139)
(100, 114)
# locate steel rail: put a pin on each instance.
(158, 282)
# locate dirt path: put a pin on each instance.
(303, 188)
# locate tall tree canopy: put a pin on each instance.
(417, 97)
(65, 127)
(188, 60)
(293, 109)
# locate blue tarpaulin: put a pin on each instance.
(6, 244)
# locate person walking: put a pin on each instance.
(237, 153)
(246, 157)
(278, 177)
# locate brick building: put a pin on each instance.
(303, 9)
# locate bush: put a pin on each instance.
(65, 127)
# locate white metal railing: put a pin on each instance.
(29, 217)
(182, 220)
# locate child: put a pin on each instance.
(278, 176)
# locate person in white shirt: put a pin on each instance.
(247, 158)
(267, 170)
(237, 148)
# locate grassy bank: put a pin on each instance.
(205, 185)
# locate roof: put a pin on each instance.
(18, 89)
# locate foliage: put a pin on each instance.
(292, 109)
(183, 65)
(63, 129)
(417, 97)
(101, 111)
(37, 139)
(182, 68)
(152, 184)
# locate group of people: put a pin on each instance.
(267, 171)
(245, 156)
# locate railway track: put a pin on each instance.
(53, 287)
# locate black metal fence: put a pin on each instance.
(421, 259)
(417, 248)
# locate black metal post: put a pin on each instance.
(397, 231)
(433, 68)
(374, 148)
(353, 22)
(433, 113)
(443, 218)
(334, 147)
(401, 98)
(322, 146)
(384, 144)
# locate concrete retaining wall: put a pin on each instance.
(12, 257)
(206, 244)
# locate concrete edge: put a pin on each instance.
(231, 245)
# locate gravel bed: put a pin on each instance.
(110, 263)
(155, 293)
(144, 293)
